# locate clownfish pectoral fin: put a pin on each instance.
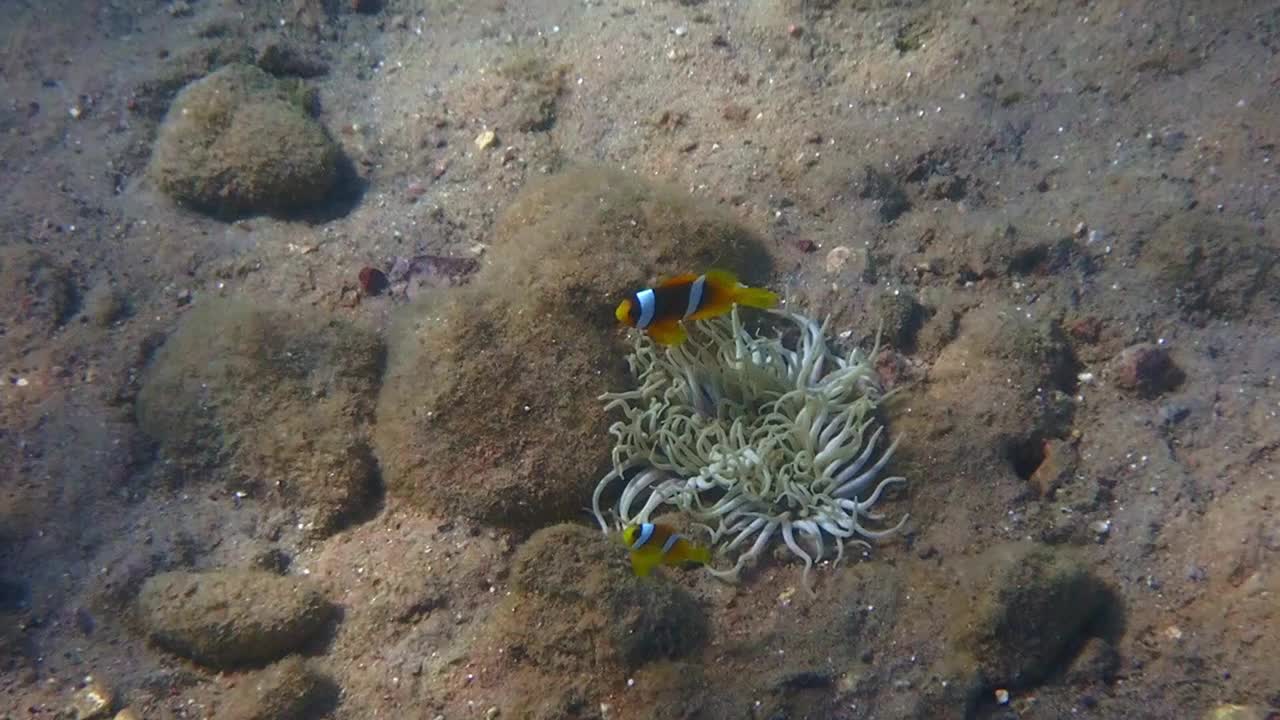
(641, 564)
(700, 554)
(682, 279)
(667, 332)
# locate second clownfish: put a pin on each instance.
(660, 311)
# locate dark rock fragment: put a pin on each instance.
(1146, 369)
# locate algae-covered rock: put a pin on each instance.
(287, 690)
(1035, 608)
(37, 294)
(490, 406)
(275, 402)
(241, 141)
(227, 618)
(578, 602)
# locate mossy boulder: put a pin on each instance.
(287, 690)
(274, 402)
(231, 618)
(490, 407)
(1035, 607)
(578, 603)
(240, 141)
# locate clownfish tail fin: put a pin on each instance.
(735, 292)
(756, 297)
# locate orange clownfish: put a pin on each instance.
(654, 544)
(660, 311)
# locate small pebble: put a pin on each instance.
(837, 258)
(373, 281)
(486, 139)
(681, 31)
(1002, 696)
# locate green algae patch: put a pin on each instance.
(489, 406)
(274, 402)
(240, 141)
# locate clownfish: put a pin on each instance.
(661, 311)
(653, 544)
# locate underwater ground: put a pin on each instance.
(306, 306)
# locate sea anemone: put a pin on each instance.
(752, 437)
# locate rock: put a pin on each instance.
(899, 317)
(1211, 264)
(92, 702)
(1058, 467)
(1146, 369)
(497, 381)
(1236, 712)
(836, 259)
(486, 139)
(127, 714)
(283, 59)
(287, 690)
(1035, 603)
(578, 599)
(231, 618)
(105, 304)
(239, 141)
(521, 95)
(37, 294)
(271, 402)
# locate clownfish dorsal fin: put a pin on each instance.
(722, 278)
(681, 279)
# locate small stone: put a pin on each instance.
(681, 30)
(1058, 467)
(486, 139)
(805, 245)
(1146, 369)
(373, 281)
(1002, 696)
(127, 714)
(1231, 711)
(794, 30)
(93, 702)
(837, 258)
(1101, 528)
(492, 713)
